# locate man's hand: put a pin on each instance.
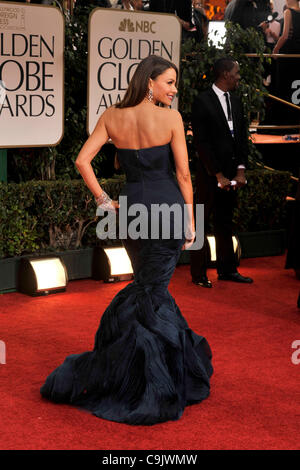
(223, 182)
(240, 178)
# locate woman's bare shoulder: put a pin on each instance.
(176, 114)
(109, 111)
(175, 118)
(110, 114)
(172, 114)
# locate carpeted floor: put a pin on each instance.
(255, 389)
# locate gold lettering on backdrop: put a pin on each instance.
(12, 18)
(145, 26)
(126, 25)
(140, 26)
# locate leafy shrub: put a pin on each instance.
(42, 216)
(196, 74)
(19, 231)
(262, 202)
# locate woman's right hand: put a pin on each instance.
(105, 203)
(116, 205)
(111, 206)
(190, 235)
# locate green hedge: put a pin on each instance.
(262, 202)
(40, 216)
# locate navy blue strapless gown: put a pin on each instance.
(147, 364)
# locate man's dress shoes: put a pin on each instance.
(235, 277)
(202, 282)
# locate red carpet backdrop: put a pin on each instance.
(255, 395)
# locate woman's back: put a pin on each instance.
(294, 32)
(141, 126)
(147, 365)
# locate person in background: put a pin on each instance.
(182, 8)
(287, 68)
(249, 14)
(245, 14)
(199, 22)
(281, 20)
(131, 4)
(138, 4)
(229, 10)
(271, 29)
(127, 4)
(221, 141)
(289, 41)
(96, 3)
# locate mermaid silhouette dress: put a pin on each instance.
(147, 364)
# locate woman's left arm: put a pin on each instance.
(285, 34)
(179, 149)
(89, 150)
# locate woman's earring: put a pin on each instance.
(150, 95)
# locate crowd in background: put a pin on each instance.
(280, 35)
(283, 33)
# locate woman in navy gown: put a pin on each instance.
(147, 364)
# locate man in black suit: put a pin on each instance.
(220, 137)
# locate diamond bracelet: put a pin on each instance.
(103, 199)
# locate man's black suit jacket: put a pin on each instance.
(217, 149)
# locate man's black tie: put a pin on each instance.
(228, 107)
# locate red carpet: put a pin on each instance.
(255, 390)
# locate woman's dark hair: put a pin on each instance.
(150, 67)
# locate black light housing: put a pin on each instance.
(111, 264)
(42, 275)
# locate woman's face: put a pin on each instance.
(163, 87)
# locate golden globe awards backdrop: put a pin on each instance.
(31, 75)
(118, 41)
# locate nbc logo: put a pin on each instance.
(126, 25)
(131, 27)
